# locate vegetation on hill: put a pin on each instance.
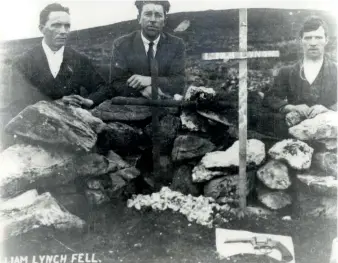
(209, 31)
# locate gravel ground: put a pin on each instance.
(118, 234)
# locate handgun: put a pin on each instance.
(262, 243)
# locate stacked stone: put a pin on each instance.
(309, 161)
(54, 154)
(318, 195)
(284, 157)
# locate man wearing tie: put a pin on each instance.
(130, 72)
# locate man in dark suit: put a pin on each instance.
(53, 71)
(309, 87)
(130, 64)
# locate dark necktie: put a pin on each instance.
(150, 55)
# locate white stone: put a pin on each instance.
(323, 126)
(56, 125)
(20, 201)
(202, 93)
(214, 116)
(43, 211)
(191, 122)
(24, 167)
(230, 157)
(274, 174)
(275, 200)
(296, 153)
(201, 174)
(197, 209)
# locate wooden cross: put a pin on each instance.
(242, 55)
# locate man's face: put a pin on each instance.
(152, 20)
(314, 43)
(56, 29)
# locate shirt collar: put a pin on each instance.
(146, 41)
(48, 51)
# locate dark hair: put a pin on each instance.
(312, 23)
(139, 4)
(55, 7)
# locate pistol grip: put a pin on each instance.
(286, 254)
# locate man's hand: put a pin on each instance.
(302, 109)
(315, 110)
(146, 92)
(139, 82)
(76, 101)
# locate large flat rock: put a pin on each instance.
(109, 112)
(54, 124)
(296, 153)
(24, 167)
(189, 146)
(41, 211)
(323, 126)
(119, 136)
(230, 157)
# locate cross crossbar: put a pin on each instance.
(240, 55)
(217, 104)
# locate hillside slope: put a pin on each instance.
(209, 31)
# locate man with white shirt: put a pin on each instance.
(309, 87)
(53, 71)
(130, 64)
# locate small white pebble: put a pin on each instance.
(287, 218)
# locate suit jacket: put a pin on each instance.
(129, 58)
(290, 88)
(32, 81)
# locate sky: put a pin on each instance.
(19, 18)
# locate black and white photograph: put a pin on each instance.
(146, 131)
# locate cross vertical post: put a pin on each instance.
(243, 56)
(242, 106)
(155, 120)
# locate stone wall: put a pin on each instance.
(77, 159)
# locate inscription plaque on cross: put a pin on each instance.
(242, 55)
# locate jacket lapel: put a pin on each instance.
(41, 68)
(161, 49)
(139, 55)
(296, 86)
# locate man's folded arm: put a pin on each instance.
(96, 86)
(275, 98)
(119, 74)
(21, 92)
(175, 82)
